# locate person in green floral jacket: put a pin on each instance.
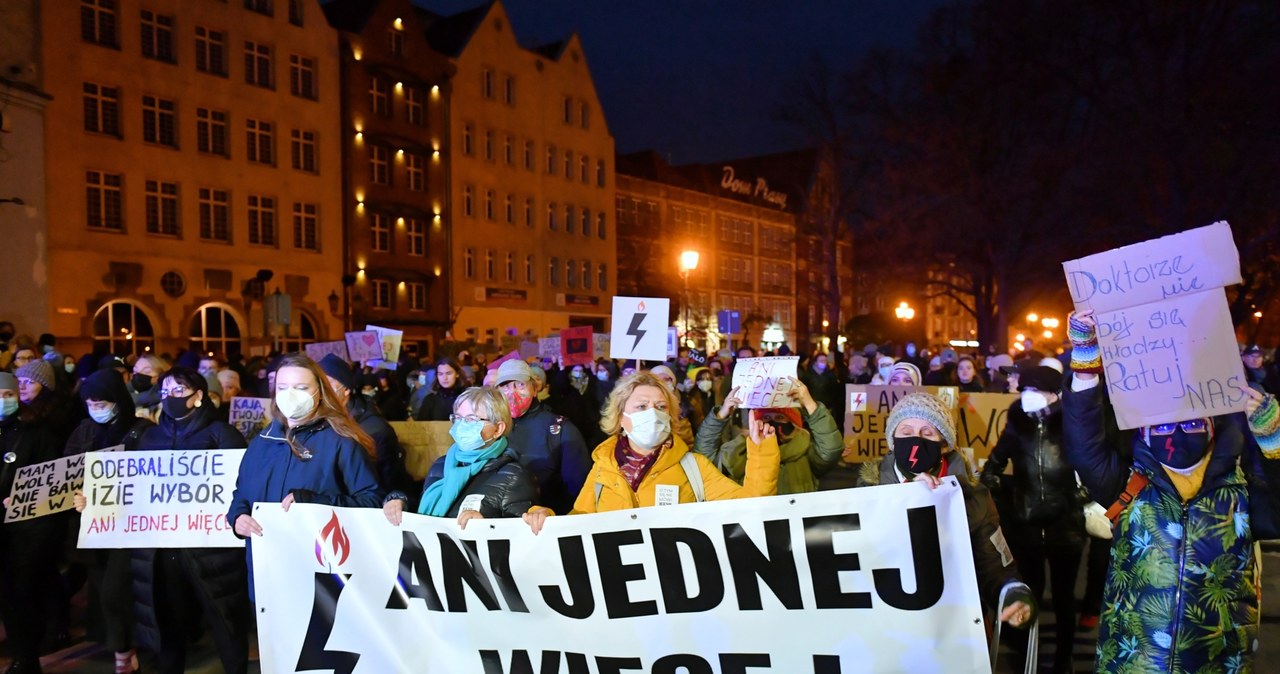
(1183, 590)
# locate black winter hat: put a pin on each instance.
(339, 370)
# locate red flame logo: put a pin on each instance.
(641, 306)
(337, 538)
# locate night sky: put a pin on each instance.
(699, 80)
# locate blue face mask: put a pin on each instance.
(102, 416)
(468, 435)
(7, 407)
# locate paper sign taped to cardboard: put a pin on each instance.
(390, 342)
(639, 328)
(576, 346)
(765, 382)
(318, 350)
(364, 345)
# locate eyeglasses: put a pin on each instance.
(1190, 426)
(470, 418)
(175, 392)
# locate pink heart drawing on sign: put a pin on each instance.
(370, 339)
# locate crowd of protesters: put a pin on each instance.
(533, 440)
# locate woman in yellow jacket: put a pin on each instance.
(642, 463)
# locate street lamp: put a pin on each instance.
(904, 311)
(1033, 318)
(688, 263)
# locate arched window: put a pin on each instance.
(122, 328)
(301, 333)
(214, 328)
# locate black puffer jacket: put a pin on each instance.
(507, 488)
(392, 474)
(438, 404)
(220, 572)
(551, 448)
(1044, 484)
(991, 557)
(30, 440)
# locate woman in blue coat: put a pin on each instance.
(311, 452)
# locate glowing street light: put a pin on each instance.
(1050, 323)
(1033, 318)
(688, 263)
(904, 311)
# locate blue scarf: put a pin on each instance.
(459, 467)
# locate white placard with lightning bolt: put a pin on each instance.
(640, 328)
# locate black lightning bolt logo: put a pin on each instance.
(635, 330)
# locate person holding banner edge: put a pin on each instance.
(1187, 507)
(643, 463)
(481, 475)
(922, 433)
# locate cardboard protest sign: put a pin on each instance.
(867, 412)
(423, 442)
(249, 415)
(159, 499)
(364, 345)
(576, 346)
(982, 419)
(44, 488)
(390, 342)
(765, 382)
(318, 350)
(514, 355)
(599, 345)
(639, 325)
(549, 348)
(529, 350)
(1168, 346)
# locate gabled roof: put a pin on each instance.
(551, 50)
(349, 15)
(449, 35)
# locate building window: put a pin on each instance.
(157, 36)
(508, 152)
(468, 200)
(416, 236)
(553, 272)
(259, 143)
(528, 155)
(417, 296)
(488, 264)
(570, 274)
(380, 96)
(395, 42)
(568, 164)
(379, 164)
(602, 277)
(414, 168)
(469, 262)
(98, 22)
(211, 51)
(381, 291)
(262, 220)
(104, 200)
(528, 211)
(486, 83)
(600, 227)
(600, 173)
(584, 170)
(584, 116)
(586, 222)
(257, 64)
(295, 12)
(510, 210)
(162, 208)
(586, 275)
(159, 121)
(214, 329)
(551, 159)
(260, 6)
(121, 327)
(488, 204)
(306, 226)
(211, 131)
(569, 213)
(302, 76)
(413, 105)
(509, 90)
(551, 217)
(510, 267)
(302, 150)
(215, 215)
(528, 270)
(567, 116)
(488, 145)
(380, 229)
(102, 109)
(468, 146)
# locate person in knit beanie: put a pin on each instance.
(921, 435)
(34, 378)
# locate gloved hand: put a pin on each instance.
(1083, 332)
(990, 480)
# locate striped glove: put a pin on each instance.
(1085, 355)
(1265, 424)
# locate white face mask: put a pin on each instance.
(704, 385)
(295, 404)
(649, 428)
(1033, 401)
(103, 415)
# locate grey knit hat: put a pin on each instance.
(922, 406)
(38, 371)
(8, 382)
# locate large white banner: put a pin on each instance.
(875, 579)
(159, 499)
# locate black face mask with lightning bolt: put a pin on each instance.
(917, 455)
(635, 331)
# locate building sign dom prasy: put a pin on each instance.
(757, 190)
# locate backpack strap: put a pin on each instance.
(1137, 482)
(689, 462)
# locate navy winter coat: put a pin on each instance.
(551, 448)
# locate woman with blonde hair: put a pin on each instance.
(642, 463)
(312, 451)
